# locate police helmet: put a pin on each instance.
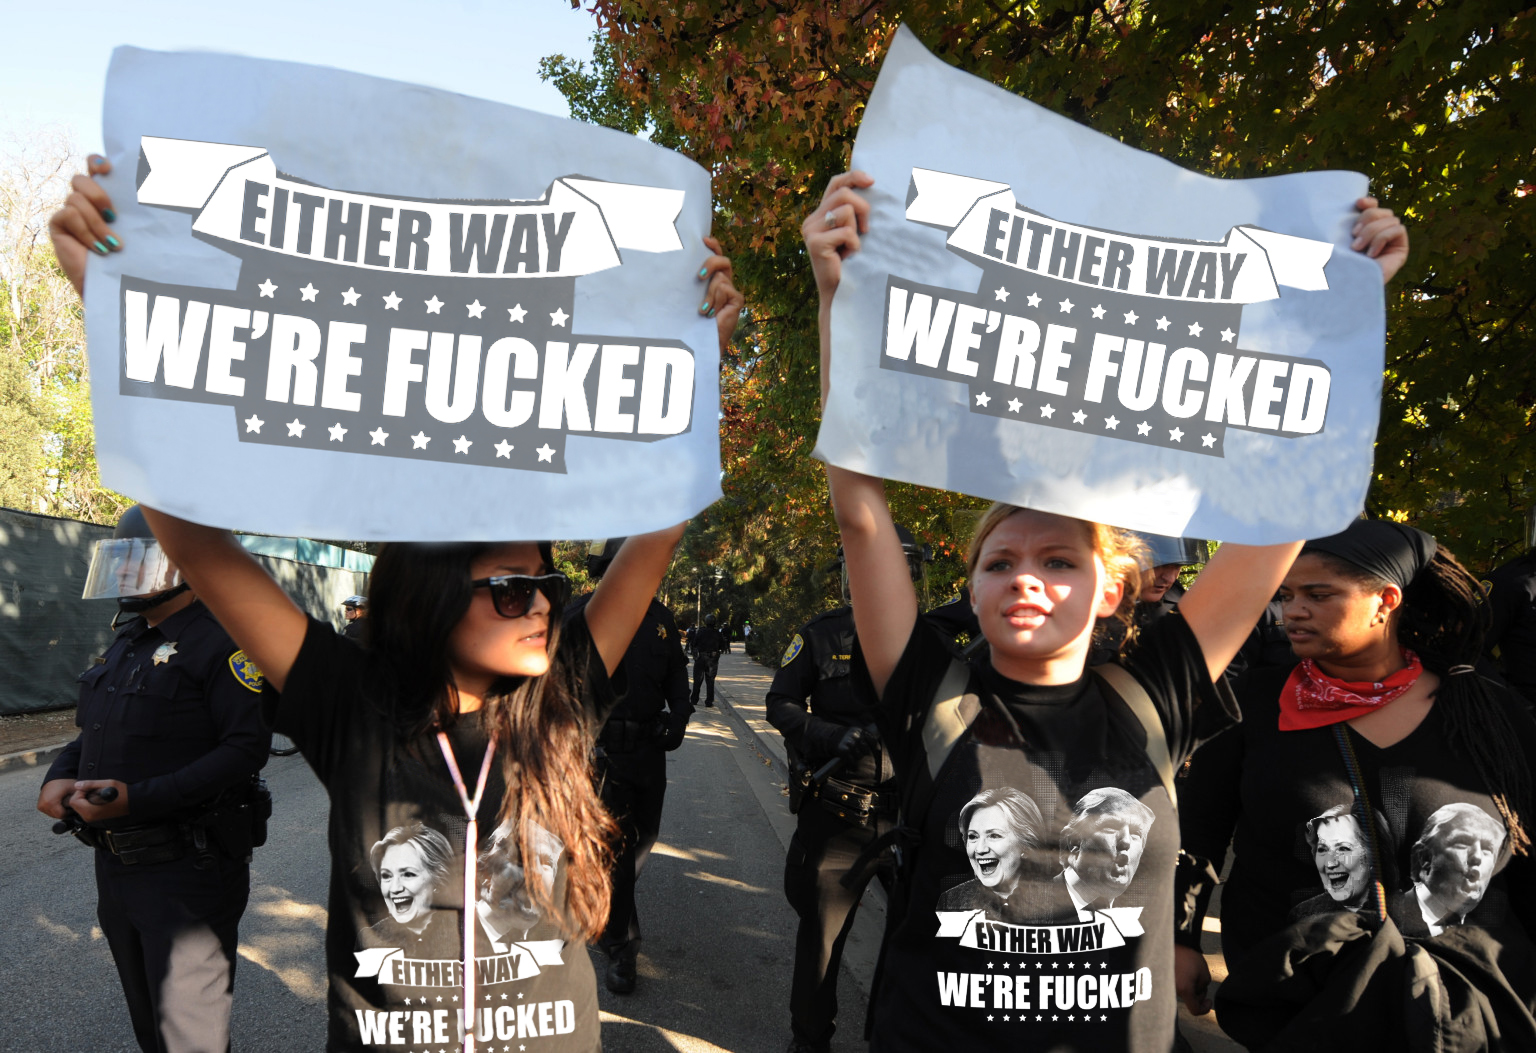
(709, 619)
(131, 567)
(1163, 550)
(356, 602)
(600, 554)
(918, 557)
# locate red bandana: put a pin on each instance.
(1313, 699)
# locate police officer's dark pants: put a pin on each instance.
(637, 807)
(704, 669)
(172, 931)
(821, 851)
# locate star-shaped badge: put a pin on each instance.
(164, 652)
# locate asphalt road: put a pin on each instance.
(714, 969)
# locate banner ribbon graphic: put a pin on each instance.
(984, 219)
(237, 195)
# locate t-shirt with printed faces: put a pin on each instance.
(1037, 913)
(397, 837)
(1304, 841)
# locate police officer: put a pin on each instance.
(706, 645)
(1160, 589)
(355, 610)
(162, 782)
(1511, 639)
(844, 794)
(649, 721)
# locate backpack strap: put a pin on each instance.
(1128, 689)
(951, 713)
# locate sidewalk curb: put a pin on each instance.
(39, 757)
(770, 748)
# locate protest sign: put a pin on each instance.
(1042, 315)
(349, 307)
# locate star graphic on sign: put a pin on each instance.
(462, 444)
(504, 449)
(392, 302)
(434, 305)
(1006, 1018)
(1034, 301)
(378, 435)
(1071, 1017)
(267, 288)
(475, 309)
(1001, 293)
(163, 653)
(1227, 335)
(1130, 317)
(546, 453)
(1047, 410)
(1104, 1016)
(1177, 435)
(419, 440)
(1055, 1017)
(989, 1016)
(1065, 306)
(558, 317)
(503, 996)
(1039, 1017)
(1005, 965)
(308, 293)
(254, 423)
(337, 432)
(1195, 329)
(1162, 323)
(1111, 423)
(1103, 965)
(295, 428)
(990, 965)
(350, 297)
(439, 998)
(983, 399)
(1014, 405)
(1079, 417)
(1207, 440)
(516, 314)
(1098, 312)
(1143, 428)
(407, 1001)
(1037, 965)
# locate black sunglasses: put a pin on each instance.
(513, 593)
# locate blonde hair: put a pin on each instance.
(1122, 553)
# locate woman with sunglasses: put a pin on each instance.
(474, 707)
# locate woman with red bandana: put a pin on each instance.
(1384, 719)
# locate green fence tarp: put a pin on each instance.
(48, 634)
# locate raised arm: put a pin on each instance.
(254, 610)
(621, 599)
(1230, 594)
(884, 602)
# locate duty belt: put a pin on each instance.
(852, 803)
(150, 843)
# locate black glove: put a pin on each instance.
(668, 737)
(858, 742)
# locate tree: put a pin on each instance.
(47, 448)
(1431, 100)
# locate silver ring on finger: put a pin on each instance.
(831, 218)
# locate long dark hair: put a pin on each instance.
(1443, 619)
(417, 594)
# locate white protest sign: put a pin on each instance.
(349, 307)
(1045, 316)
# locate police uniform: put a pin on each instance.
(706, 645)
(837, 819)
(1512, 637)
(173, 711)
(649, 720)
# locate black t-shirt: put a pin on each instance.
(1447, 859)
(1044, 920)
(397, 830)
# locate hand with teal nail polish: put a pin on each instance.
(723, 301)
(79, 228)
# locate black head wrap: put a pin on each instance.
(1391, 551)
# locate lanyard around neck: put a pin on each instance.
(471, 882)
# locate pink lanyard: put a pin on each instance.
(471, 882)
